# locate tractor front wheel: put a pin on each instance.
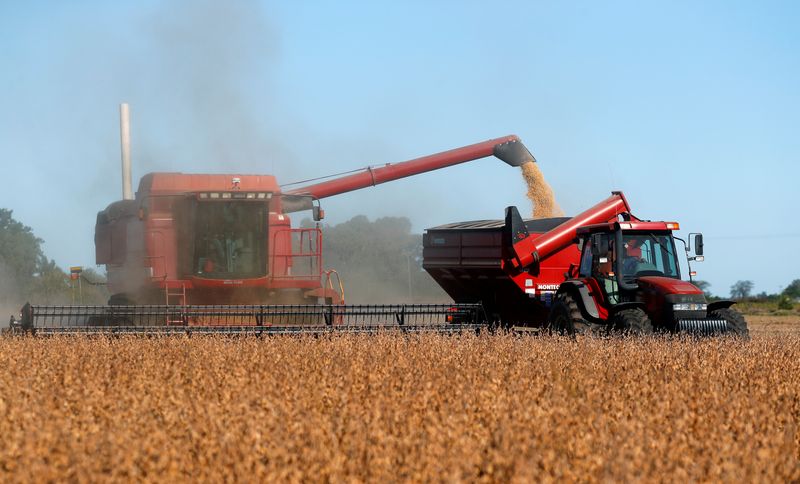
(633, 321)
(736, 322)
(565, 317)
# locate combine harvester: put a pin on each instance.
(217, 253)
(195, 253)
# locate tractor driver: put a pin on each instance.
(633, 256)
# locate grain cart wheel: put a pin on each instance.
(633, 321)
(736, 323)
(121, 299)
(565, 317)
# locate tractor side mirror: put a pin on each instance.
(698, 244)
(599, 245)
(317, 213)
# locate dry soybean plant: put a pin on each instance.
(395, 407)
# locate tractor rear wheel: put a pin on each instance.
(565, 317)
(736, 322)
(633, 321)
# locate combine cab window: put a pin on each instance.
(230, 240)
(647, 254)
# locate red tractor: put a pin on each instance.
(600, 271)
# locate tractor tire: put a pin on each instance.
(633, 321)
(566, 318)
(737, 325)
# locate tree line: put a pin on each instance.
(743, 291)
(379, 262)
(26, 274)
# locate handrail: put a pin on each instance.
(290, 254)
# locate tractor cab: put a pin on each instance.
(633, 274)
(621, 255)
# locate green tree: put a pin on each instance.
(21, 255)
(785, 302)
(741, 289)
(792, 290)
(379, 261)
(51, 286)
(27, 275)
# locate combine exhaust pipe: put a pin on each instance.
(125, 142)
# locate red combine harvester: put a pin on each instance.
(218, 253)
(227, 239)
(603, 270)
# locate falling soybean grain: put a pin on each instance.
(539, 192)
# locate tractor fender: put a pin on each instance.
(627, 305)
(721, 304)
(580, 291)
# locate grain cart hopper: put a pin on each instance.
(219, 252)
(601, 270)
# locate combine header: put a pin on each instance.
(249, 319)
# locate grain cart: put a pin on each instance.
(602, 270)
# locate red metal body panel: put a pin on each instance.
(668, 285)
(597, 293)
(466, 260)
(393, 171)
(183, 183)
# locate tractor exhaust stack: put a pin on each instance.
(125, 142)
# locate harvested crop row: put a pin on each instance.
(399, 407)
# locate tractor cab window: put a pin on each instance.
(586, 259)
(648, 254)
(230, 239)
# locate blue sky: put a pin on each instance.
(692, 109)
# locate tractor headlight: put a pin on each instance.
(689, 307)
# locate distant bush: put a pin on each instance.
(785, 302)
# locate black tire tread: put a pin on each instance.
(737, 325)
(566, 305)
(633, 321)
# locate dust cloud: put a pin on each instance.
(10, 298)
(213, 63)
(539, 192)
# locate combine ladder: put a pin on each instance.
(175, 292)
